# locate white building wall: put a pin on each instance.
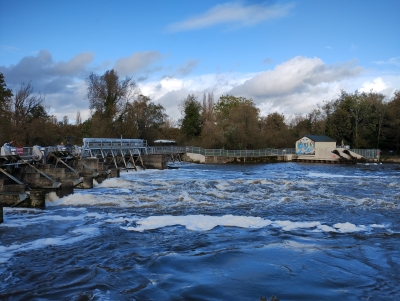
(325, 145)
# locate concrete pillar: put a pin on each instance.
(93, 163)
(102, 176)
(86, 184)
(37, 198)
(66, 188)
(114, 173)
(155, 161)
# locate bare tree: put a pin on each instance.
(78, 120)
(27, 106)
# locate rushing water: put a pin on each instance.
(212, 232)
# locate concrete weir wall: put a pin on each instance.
(155, 161)
(28, 184)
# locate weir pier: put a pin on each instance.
(28, 174)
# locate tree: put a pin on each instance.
(392, 129)
(5, 94)
(29, 116)
(191, 124)
(225, 104)
(78, 120)
(27, 106)
(144, 118)
(237, 118)
(108, 97)
(275, 131)
(5, 110)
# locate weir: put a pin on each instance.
(27, 174)
(122, 153)
(26, 177)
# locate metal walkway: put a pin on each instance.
(126, 152)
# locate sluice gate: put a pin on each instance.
(27, 174)
(122, 153)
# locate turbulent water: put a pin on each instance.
(212, 232)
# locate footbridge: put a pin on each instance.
(126, 153)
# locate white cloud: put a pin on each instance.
(377, 85)
(295, 75)
(137, 61)
(292, 87)
(395, 61)
(232, 13)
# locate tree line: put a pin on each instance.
(118, 109)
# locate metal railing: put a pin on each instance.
(241, 153)
(166, 149)
(367, 153)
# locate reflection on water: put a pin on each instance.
(212, 232)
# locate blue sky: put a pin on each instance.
(288, 56)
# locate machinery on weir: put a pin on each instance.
(28, 174)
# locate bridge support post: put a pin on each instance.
(37, 198)
(87, 183)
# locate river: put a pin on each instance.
(212, 232)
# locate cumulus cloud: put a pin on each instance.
(61, 82)
(232, 13)
(42, 70)
(136, 62)
(75, 65)
(377, 85)
(295, 75)
(292, 87)
(296, 85)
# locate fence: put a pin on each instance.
(241, 153)
(367, 153)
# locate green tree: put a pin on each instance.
(144, 118)
(225, 104)
(237, 118)
(392, 124)
(275, 131)
(109, 97)
(191, 124)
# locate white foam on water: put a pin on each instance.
(377, 226)
(223, 185)
(216, 193)
(325, 228)
(101, 296)
(76, 199)
(79, 234)
(115, 183)
(198, 222)
(349, 227)
(288, 225)
(21, 221)
(206, 223)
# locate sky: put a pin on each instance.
(287, 56)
